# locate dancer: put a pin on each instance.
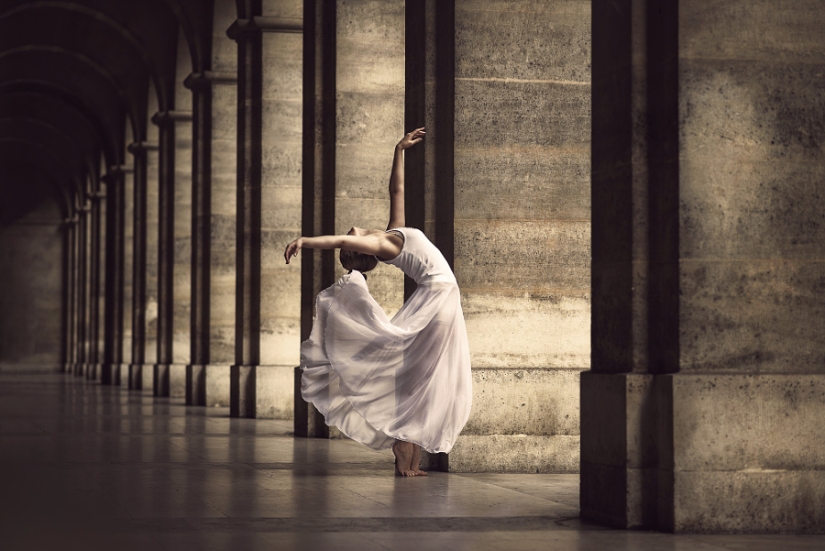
(403, 383)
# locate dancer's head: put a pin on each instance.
(361, 262)
(352, 260)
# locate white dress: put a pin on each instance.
(378, 379)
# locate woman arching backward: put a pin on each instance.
(402, 383)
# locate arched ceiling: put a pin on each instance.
(75, 74)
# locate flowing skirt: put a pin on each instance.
(378, 379)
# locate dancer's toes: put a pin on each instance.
(419, 472)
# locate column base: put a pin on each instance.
(704, 452)
(207, 385)
(169, 380)
(309, 423)
(261, 391)
(114, 374)
(93, 372)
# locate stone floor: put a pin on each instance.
(89, 467)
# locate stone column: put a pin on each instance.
(165, 369)
(213, 237)
(139, 249)
(502, 187)
(82, 271)
(151, 279)
(429, 167)
(353, 117)
(268, 72)
(318, 179)
(93, 367)
(115, 263)
(704, 401)
(70, 233)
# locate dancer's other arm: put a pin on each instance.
(397, 215)
(378, 244)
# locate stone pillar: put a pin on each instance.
(269, 64)
(353, 117)
(115, 264)
(318, 180)
(213, 237)
(93, 366)
(70, 233)
(704, 401)
(82, 271)
(166, 369)
(429, 167)
(152, 252)
(139, 151)
(502, 187)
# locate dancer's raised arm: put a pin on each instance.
(397, 215)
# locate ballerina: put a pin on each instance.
(403, 383)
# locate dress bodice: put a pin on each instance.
(420, 259)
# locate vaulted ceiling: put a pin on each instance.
(75, 76)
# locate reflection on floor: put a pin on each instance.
(89, 467)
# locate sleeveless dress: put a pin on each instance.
(379, 379)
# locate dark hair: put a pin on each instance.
(360, 262)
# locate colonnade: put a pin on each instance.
(701, 250)
(289, 129)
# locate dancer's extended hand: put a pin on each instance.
(292, 249)
(412, 138)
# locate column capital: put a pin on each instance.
(115, 170)
(141, 147)
(205, 79)
(162, 118)
(71, 221)
(264, 24)
(98, 195)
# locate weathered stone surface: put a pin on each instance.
(527, 329)
(522, 229)
(755, 501)
(752, 316)
(273, 391)
(524, 40)
(217, 385)
(515, 454)
(30, 279)
(764, 422)
(524, 401)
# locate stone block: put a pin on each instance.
(619, 449)
(775, 325)
(765, 30)
(533, 40)
(274, 391)
(494, 114)
(177, 380)
(523, 183)
(498, 453)
(147, 375)
(752, 501)
(524, 401)
(525, 255)
(523, 329)
(768, 422)
(217, 385)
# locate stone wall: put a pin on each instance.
(31, 272)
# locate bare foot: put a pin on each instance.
(403, 452)
(416, 461)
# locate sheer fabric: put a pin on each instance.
(378, 379)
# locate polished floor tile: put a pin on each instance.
(83, 466)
